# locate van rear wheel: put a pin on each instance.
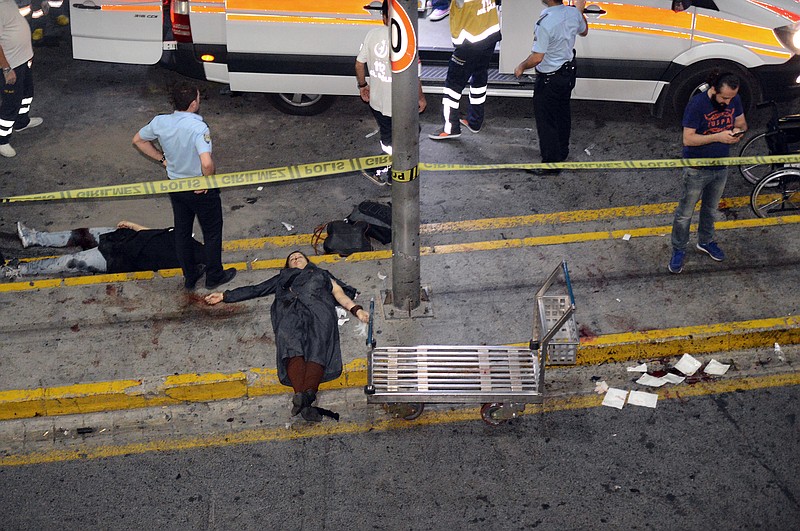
(692, 80)
(301, 104)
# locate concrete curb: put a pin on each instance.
(175, 389)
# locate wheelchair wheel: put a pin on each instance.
(777, 194)
(755, 147)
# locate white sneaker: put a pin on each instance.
(438, 14)
(35, 122)
(26, 235)
(7, 151)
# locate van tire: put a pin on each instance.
(687, 82)
(301, 104)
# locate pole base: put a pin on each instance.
(390, 312)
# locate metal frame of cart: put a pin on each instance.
(504, 379)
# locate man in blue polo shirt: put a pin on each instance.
(186, 143)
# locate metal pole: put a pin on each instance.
(405, 155)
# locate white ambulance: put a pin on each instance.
(303, 51)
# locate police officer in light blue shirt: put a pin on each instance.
(186, 143)
(553, 56)
(185, 136)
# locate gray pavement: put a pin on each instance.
(148, 328)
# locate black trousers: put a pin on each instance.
(468, 64)
(551, 107)
(208, 210)
(15, 103)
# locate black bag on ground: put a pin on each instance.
(344, 238)
(379, 218)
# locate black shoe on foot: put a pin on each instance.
(227, 276)
(190, 284)
(301, 400)
(311, 414)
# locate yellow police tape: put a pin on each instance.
(334, 167)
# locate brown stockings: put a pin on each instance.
(304, 375)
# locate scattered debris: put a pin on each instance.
(615, 398)
(375, 132)
(342, 315)
(381, 276)
(640, 398)
(651, 381)
(688, 365)
(600, 387)
(626, 237)
(779, 352)
(638, 368)
(85, 430)
(260, 188)
(587, 150)
(287, 226)
(716, 368)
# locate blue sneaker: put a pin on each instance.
(676, 263)
(712, 250)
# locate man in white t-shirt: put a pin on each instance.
(374, 57)
(16, 94)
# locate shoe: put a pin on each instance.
(7, 151)
(37, 34)
(465, 123)
(543, 171)
(438, 14)
(62, 20)
(27, 236)
(9, 272)
(676, 262)
(35, 122)
(712, 250)
(190, 284)
(302, 400)
(227, 276)
(441, 135)
(381, 176)
(311, 414)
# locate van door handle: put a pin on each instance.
(594, 10)
(85, 6)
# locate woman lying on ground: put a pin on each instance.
(305, 325)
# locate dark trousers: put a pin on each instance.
(551, 107)
(385, 127)
(16, 103)
(468, 64)
(208, 210)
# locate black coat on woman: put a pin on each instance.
(303, 317)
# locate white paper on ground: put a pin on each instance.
(342, 314)
(626, 237)
(600, 387)
(652, 381)
(639, 398)
(673, 378)
(638, 368)
(716, 368)
(287, 226)
(688, 365)
(615, 398)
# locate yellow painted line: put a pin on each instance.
(491, 245)
(128, 394)
(341, 429)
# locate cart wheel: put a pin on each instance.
(408, 411)
(489, 414)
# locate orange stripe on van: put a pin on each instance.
(302, 20)
(650, 16)
(132, 8)
(737, 30)
(333, 7)
(636, 29)
(772, 53)
(207, 9)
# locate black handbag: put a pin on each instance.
(344, 238)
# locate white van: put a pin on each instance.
(303, 51)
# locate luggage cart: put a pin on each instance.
(504, 379)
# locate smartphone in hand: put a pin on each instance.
(737, 133)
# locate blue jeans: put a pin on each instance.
(440, 4)
(89, 261)
(698, 184)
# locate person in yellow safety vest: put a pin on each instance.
(475, 30)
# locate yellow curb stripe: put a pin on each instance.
(126, 394)
(340, 429)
